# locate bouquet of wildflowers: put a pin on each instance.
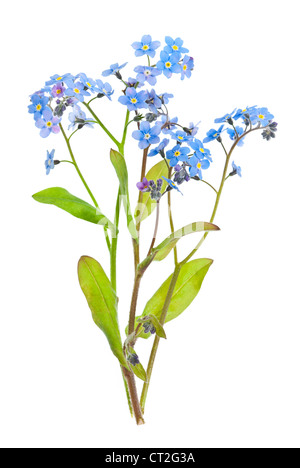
(171, 156)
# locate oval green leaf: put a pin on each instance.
(147, 206)
(102, 301)
(64, 200)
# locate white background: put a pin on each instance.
(228, 375)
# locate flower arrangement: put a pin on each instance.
(179, 158)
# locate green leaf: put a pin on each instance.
(158, 327)
(102, 301)
(169, 243)
(75, 206)
(119, 164)
(187, 287)
(147, 205)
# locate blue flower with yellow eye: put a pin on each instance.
(172, 184)
(197, 165)
(114, 69)
(187, 67)
(232, 134)
(77, 90)
(39, 103)
(146, 46)
(148, 74)
(225, 117)
(168, 64)
(176, 154)
(262, 116)
(247, 111)
(48, 123)
(199, 149)
(89, 83)
(59, 79)
(147, 135)
(134, 100)
(49, 163)
(174, 45)
(213, 134)
(181, 136)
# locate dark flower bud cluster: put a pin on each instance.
(133, 358)
(152, 187)
(269, 132)
(149, 328)
(181, 175)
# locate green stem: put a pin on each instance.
(102, 125)
(114, 245)
(77, 168)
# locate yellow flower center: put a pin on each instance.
(180, 138)
(168, 64)
(177, 153)
(244, 110)
(184, 67)
(175, 47)
(134, 100)
(147, 136)
(38, 107)
(202, 150)
(199, 165)
(59, 78)
(88, 84)
(49, 124)
(145, 47)
(58, 91)
(76, 90)
(261, 116)
(215, 135)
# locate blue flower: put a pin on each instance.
(104, 88)
(39, 103)
(146, 46)
(192, 129)
(77, 90)
(114, 69)
(49, 163)
(176, 154)
(147, 135)
(58, 90)
(160, 148)
(181, 136)
(148, 74)
(87, 82)
(201, 152)
(168, 124)
(232, 134)
(58, 78)
(174, 45)
(197, 165)
(225, 117)
(77, 116)
(47, 123)
(244, 113)
(172, 184)
(134, 100)
(263, 116)
(213, 134)
(236, 170)
(187, 67)
(168, 64)
(153, 101)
